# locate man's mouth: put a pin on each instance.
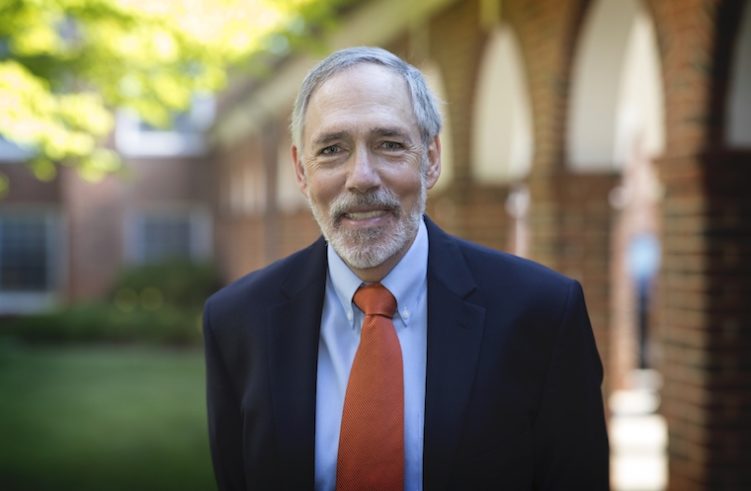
(364, 215)
(365, 211)
(365, 218)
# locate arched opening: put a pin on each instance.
(502, 143)
(433, 77)
(616, 101)
(616, 128)
(288, 195)
(739, 96)
(617, 124)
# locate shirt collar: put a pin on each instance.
(406, 281)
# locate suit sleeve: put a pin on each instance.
(571, 443)
(224, 415)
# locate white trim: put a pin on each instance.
(27, 303)
(12, 153)
(131, 140)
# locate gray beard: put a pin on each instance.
(371, 247)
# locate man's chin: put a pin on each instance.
(363, 234)
(363, 260)
(364, 249)
(362, 242)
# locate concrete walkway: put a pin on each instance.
(638, 437)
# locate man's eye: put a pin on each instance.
(330, 150)
(388, 145)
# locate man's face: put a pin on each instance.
(363, 166)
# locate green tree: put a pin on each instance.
(66, 65)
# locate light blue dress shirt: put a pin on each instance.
(341, 323)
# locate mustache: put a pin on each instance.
(348, 202)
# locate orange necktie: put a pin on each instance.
(371, 442)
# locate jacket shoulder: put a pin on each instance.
(495, 265)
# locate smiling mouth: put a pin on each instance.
(364, 215)
(370, 218)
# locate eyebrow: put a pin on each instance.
(390, 131)
(327, 138)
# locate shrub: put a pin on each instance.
(178, 283)
(102, 322)
(155, 304)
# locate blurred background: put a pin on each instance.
(144, 162)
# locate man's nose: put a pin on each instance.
(363, 176)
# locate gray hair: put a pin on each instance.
(424, 104)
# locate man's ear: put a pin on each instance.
(299, 169)
(433, 169)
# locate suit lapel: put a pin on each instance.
(294, 327)
(455, 327)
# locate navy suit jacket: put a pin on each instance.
(512, 395)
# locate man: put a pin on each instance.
(477, 369)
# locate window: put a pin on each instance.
(29, 260)
(165, 237)
(169, 234)
(26, 253)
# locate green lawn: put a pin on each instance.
(102, 419)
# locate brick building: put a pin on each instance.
(66, 240)
(580, 133)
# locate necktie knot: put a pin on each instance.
(375, 299)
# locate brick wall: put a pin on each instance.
(704, 321)
(705, 318)
(96, 215)
(25, 188)
(583, 246)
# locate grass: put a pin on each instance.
(102, 418)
